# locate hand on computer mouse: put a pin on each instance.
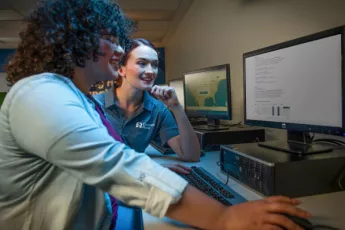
(178, 168)
(264, 214)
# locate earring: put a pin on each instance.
(81, 62)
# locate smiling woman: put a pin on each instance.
(142, 111)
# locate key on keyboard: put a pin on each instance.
(198, 178)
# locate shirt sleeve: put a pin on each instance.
(50, 121)
(168, 128)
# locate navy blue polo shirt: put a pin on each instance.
(151, 121)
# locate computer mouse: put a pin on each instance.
(303, 223)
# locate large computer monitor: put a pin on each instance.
(298, 86)
(178, 85)
(207, 95)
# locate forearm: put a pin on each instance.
(198, 210)
(189, 142)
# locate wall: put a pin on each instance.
(217, 32)
(3, 83)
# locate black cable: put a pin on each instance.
(208, 147)
(334, 141)
(329, 142)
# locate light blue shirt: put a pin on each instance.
(57, 161)
(151, 121)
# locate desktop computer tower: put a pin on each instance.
(270, 172)
(211, 140)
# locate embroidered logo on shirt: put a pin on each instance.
(141, 125)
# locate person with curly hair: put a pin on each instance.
(143, 112)
(59, 161)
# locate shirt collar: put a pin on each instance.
(109, 99)
(148, 101)
(94, 102)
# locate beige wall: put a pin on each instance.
(215, 32)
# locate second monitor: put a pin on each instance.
(208, 95)
(298, 85)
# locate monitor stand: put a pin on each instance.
(298, 143)
(212, 125)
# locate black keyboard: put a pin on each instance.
(165, 149)
(205, 182)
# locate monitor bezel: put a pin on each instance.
(296, 126)
(198, 114)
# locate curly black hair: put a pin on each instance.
(61, 34)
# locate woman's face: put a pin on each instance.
(107, 66)
(141, 68)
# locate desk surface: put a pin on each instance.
(327, 209)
